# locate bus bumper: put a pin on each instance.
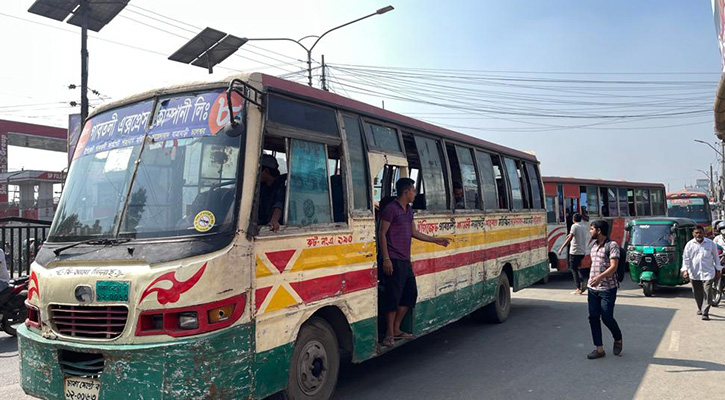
(216, 366)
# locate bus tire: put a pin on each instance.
(315, 363)
(544, 280)
(498, 311)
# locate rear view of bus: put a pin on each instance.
(692, 205)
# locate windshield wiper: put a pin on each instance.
(104, 242)
(658, 239)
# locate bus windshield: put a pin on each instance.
(652, 235)
(135, 178)
(694, 208)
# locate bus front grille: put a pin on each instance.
(94, 322)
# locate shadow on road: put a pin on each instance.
(690, 365)
(535, 354)
(8, 346)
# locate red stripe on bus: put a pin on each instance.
(335, 285)
(432, 265)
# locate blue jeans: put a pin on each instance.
(601, 309)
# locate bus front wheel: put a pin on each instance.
(315, 363)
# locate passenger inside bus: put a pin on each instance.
(458, 195)
(271, 193)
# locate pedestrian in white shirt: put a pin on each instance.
(701, 264)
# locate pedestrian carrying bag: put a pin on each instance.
(622, 263)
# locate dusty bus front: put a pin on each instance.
(142, 289)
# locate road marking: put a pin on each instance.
(675, 341)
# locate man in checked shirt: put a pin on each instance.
(603, 288)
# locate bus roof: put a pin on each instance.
(676, 195)
(600, 182)
(294, 89)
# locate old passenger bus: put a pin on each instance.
(692, 205)
(158, 281)
(615, 201)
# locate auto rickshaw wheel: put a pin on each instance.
(648, 288)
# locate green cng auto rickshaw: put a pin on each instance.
(654, 251)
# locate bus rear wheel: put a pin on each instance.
(498, 311)
(315, 363)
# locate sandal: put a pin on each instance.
(389, 341)
(403, 335)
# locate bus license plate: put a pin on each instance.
(112, 291)
(81, 389)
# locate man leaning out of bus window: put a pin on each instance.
(271, 193)
(396, 231)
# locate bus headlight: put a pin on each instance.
(188, 320)
(192, 320)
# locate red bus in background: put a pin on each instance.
(614, 201)
(692, 205)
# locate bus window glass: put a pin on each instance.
(382, 137)
(358, 166)
(488, 181)
(517, 199)
(524, 182)
(432, 172)
(309, 190)
(612, 201)
(694, 208)
(630, 202)
(642, 199)
(658, 202)
(593, 201)
(560, 195)
(302, 115)
(469, 177)
(584, 205)
(551, 209)
(535, 185)
(623, 207)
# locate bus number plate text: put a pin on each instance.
(81, 389)
(112, 291)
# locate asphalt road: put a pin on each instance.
(539, 353)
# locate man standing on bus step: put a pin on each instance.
(603, 288)
(701, 265)
(396, 231)
(577, 240)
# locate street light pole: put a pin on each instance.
(84, 60)
(380, 11)
(720, 153)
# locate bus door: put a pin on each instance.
(572, 203)
(385, 170)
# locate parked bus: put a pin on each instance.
(157, 281)
(692, 205)
(614, 201)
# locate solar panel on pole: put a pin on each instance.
(208, 48)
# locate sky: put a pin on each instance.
(562, 39)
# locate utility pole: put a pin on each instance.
(83, 9)
(712, 185)
(324, 83)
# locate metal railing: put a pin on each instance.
(20, 239)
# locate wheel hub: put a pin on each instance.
(312, 368)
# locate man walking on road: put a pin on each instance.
(701, 264)
(577, 240)
(396, 231)
(603, 288)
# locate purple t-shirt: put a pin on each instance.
(401, 230)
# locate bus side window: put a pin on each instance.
(525, 188)
(489, 182)
(309, 201)
(535, 184)
(425, 154)
(358, 164)
(642, 201)
(465, 179)
(517, 198)
(630, 202)
(550, 209)
(623, 206)
(503, 199)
